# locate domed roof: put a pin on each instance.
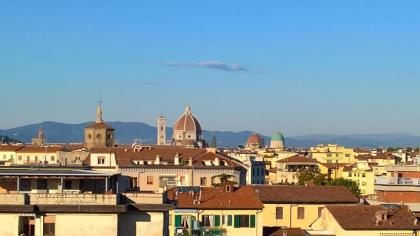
(187, 122)
(254, 139)
(277, 136)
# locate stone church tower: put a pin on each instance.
(99, 134)
(161, 130)
(40, 139)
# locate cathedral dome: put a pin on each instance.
(255, 140)
(187, 122)
(277, 140)
(277, 136)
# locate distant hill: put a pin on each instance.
(127, 132)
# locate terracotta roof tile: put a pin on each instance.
(10, 148)
(243, 197)
(305, 194)
(362, 217)
(99, 126)
(298, 159)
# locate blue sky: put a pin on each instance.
(302, 67)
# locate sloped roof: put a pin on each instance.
(298, 159)
(243, 197)
(39, 149)
(10, 148)
(99, 125)
(362, 217)
(304, 194)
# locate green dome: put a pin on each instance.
(277, 136)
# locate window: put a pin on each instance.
(49, 225)
(67, 184)
(279, 213)
(19, 158)
(229, 220)
(28, 158)
(98, 136)
(301, 213)
(52, 158)
(149, 180)
(89, 136)
(101, 160)
(210, 220)
(349, 174)
(42, 184)
(329, 155)
(363, 174)
(4, 156)
(319, 211)
(347, 155)
(244, 221)
(36, 158)
(203, 181)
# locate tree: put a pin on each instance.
(311, 175)
(223, 179)
(350, 184)
(314, 176)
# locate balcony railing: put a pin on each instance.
(397, 181)
(58, 198)
(203, 231)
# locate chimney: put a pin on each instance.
(176, 159)
(157, 161)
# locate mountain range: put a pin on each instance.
(127, 132)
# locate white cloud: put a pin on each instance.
(217, 65)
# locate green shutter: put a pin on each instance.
(177, 220)
(237, 223)
(252, 224)
(217, 220)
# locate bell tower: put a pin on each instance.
(99, 134)
(161, 130)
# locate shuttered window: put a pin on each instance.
(301, 213)
(244, 221)
(252, 221)
(279, 213)
(177, 220)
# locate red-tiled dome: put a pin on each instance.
(187, 122)
(254, 139)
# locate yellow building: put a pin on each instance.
(298, 206)
(366, 220)
(332, 153)
(332, 170)
(8, 153)
(36, 155)
(226, 210)
(362, 173)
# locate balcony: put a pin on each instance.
(381, 180)
(203, 231)
(397, 184)
(58, 199)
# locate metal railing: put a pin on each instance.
(203, 231)
(397, 180)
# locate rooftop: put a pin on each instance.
(43, 171)
(243, 197)
(304, 194)
(362, 217)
